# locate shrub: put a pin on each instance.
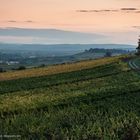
(2, 70)
(21, 68)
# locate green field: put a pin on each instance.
(100, 102)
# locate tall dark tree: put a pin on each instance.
(138, 48)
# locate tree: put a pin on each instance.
(21, 68)
(138, 48)
(1, 70)
(42, 65)
(108, 54)
(91, 50)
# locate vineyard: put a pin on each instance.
(88, 100)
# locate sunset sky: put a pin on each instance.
(119, 19)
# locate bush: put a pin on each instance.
(42, 65)
(2, 70)
(21, 68)
(108, 54)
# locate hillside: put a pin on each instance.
(99, 53)
(58, 49)
(13, 56)
(87, 100)
(56, 69)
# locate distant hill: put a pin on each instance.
(61, 49)
(94, 53)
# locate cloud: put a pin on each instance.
(29, 21)
(137, 11)
(82, 11)
(129, 9)
(132, 9)
(101, 10)
(12, 21)
(136, 27)
(104, 10)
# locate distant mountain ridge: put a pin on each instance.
(43, 32)
(46, 36)
(65, 46)
(59, 36)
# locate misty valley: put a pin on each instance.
(16, 56)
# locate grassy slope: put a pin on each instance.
(56, 69)
(98, 102)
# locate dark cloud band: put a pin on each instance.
(129, 9)
(134, 10)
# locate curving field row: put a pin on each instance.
(60, 79)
